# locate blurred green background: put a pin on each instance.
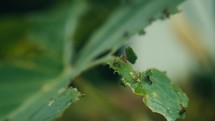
(183, 46)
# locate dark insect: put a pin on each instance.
(82, 95)
(162, 17)
(125, 34)
(116, 63)
(142, 32)
(166, 12)
(151, 20)
(130, 55)
(182, 110)
(124, 58)
(71, 84)
(147, 78)
(121, 83)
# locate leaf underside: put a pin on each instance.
(35, 71)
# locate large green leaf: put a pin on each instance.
(130, 18)
(36, 70)
(48, 103)
(155, 87)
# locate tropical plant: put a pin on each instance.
(44, 49)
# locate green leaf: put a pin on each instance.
(155, 87)
(130, 54)
(37, 51)
(130, 18)
(36, 71)
(48, 103)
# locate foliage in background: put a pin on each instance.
(43, 50)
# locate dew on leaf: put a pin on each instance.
(134, 77)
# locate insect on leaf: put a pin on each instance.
(130, 54)
(158, 93)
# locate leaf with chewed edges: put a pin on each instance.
(158, 93)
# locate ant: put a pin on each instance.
(116, 63)
(151, 19)
(147, 78)
(121, 83)
(166, 12)
(182, 110)
(125, 34)
(82, 95)
(142, 32)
